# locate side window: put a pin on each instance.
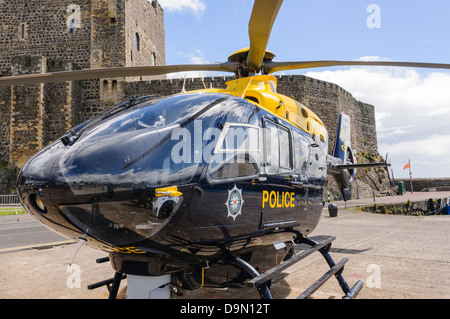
(237, 152)
(277, 148)
(271, 147)
(301, 153)
(285, 148)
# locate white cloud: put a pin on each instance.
(196, 57)
(412, 113)
(193, 57)
(442, 111)
(197, 7)
(429, 156)
(372, 58)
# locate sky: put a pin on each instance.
(412, 106)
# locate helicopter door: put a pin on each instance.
(234, 168)
(278, 200)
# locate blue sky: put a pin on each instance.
(412, 106)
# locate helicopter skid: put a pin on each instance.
(247, 274)
(321, 244)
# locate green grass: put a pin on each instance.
(12, 211)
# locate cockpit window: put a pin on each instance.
(237, 152)
(153, 114)
(277, 147)
(302, 152)
(149, 151)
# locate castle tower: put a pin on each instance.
(90, 33)
(62, 35)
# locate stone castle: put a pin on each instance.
(59, 35)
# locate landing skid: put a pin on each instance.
(322, 244)
(262, 281)
(112, 284)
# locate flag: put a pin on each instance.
(406, 166)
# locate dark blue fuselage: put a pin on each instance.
(247, 178)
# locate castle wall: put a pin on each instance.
(44, 29)
(145, 24)
(63, 35)
(328, 100)
(5, 120)
(90, 33)
(426, 184)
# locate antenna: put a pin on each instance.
(183, 90)
(204, 83)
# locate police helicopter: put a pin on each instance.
(197, 189)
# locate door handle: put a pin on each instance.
(296, 184)
(259, 180)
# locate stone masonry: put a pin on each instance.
(63, 35)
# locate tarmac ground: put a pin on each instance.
(396, 256)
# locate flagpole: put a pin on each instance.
(410, 175)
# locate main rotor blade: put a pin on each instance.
(272, 67)
(112, 73)
(259, 29)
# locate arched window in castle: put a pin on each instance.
(114, 86)
(154, 58)
(23, 31)
(137, 42)
(105, 84)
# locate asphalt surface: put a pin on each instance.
(23, 231)
(413, 197)
(401, 257)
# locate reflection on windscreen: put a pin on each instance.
(237, 153)
(99, 162)
(157, 113)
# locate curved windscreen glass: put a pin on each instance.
(153, 114)
(151, 145)
(237, 153)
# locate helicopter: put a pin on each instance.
(196, 189)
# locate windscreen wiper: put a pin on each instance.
(74, 133)
(132, 101)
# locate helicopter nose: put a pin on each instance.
(34, 181)
(37, 184)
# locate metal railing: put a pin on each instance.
(10, 204)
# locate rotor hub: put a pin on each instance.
(244, 70)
